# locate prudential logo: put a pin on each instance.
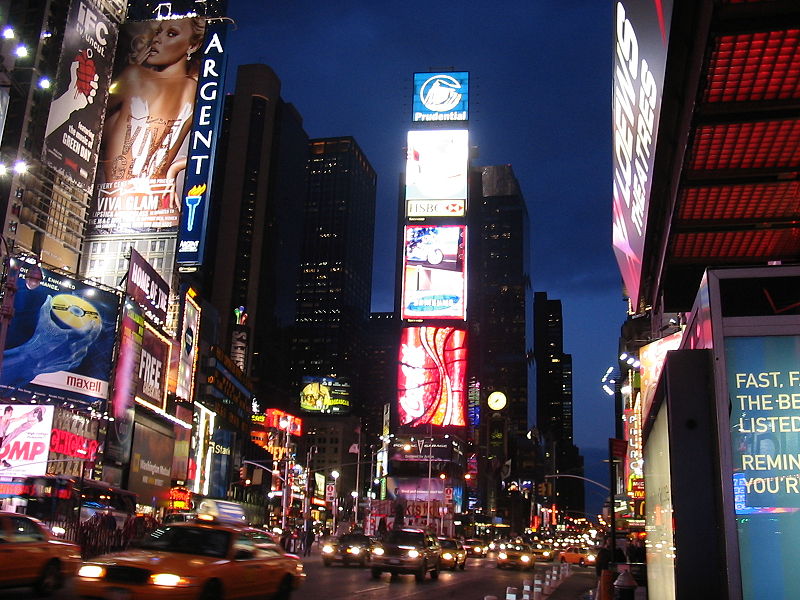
(440, 93)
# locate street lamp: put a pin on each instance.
(335, 476)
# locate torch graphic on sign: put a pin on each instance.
(193, 198)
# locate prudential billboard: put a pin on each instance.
(441, 96)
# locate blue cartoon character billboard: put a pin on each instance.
(60, 339)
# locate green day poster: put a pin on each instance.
(60, 340)
(763, 375)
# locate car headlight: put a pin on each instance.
(591, 557)
(354, 550)
(502, 556)
(546, 553)
(92, 571)
(378, 551)
(525, 558)
(168, 580)
(327, 549)
(491, 546)
(413, 553)
(447, 556)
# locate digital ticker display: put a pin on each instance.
(434, 272)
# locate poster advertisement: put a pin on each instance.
(189, 340)
(72, 137)
(431, 377)
(437, 164)
(434, 272)
(145, 138)
(120, 431)
(763, 375)
(441, 96)
(24, 439)
(151, 379)
(148, 289)
(151, 462)
(60, 340)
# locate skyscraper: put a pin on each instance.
(553, 372)
(335, 277)
(257, 212)
(499, 293)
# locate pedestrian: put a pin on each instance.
(309, 537)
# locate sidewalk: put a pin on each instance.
(577, 586)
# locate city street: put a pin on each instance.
(480, 578)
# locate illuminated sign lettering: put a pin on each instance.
(441, 96)
(203, 142)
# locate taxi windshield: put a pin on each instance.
(448, 544)
(189, 540)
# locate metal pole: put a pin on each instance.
(358, 478)
(285, 495)
(612, 469)
(10, 275)
(430, 464)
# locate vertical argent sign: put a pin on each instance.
(202, 145)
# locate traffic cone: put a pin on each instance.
(548, 587)
(537, 588)
(511, 593)
(526, 589)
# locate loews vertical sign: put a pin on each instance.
(203, 143)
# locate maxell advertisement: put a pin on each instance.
(434, 272)
(24, 439)
(189, 341)
(151, 461)
(431, 377)
(120, 430)
(441, 96)
(641, 34)
(145, 140)
(325, 395)
(148, 289)
(200, 169)
(436, 173)
(151, 380)
(60, 339)
(72, 137)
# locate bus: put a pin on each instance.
(64, 501)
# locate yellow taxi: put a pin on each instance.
(30, 555)
(576, 555)
(205, 559)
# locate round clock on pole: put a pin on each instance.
(496, 400)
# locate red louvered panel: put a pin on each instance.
(747, 202)
(764, 144)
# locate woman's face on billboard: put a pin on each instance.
(171, 42)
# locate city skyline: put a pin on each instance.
(540, 80)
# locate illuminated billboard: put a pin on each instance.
(436, 173)
(60, 339)
(144, 147)
(25, 439)
(147, 288)
(441, 96)
(434, 272)
(325, 395)
(202, 146)
(80, 89)
(189, 342)
(151, 380)
(640, 55)
(431, 377)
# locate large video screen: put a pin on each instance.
(441, 96)
(325, 395)
(60, 340)
(434, 272)
(431, 377)
(436, 172)
(25, 440)
(144, 146)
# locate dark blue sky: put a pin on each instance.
(540, 100)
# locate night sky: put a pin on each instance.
(540, 86)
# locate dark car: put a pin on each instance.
(352, 548)
(476, 548)
(516, 555)
(407, 551)
(453, 554)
